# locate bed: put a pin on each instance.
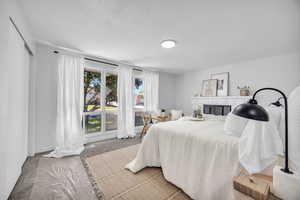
(196, 156)
(201, 158)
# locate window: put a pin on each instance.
(139, 99)
(111, 99)
(111, 102)
(93, 123)
(139, 93)
(100, 99)
(111, 122)
(138, 119)
(92, 101)
(92, 91)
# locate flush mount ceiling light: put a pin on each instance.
(168, 44)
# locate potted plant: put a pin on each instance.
(244, 91)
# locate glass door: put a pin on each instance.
(101, 107)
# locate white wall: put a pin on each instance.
(46, 92)
(282, 72)
(14, 90)
(167, 90)
(45, 100)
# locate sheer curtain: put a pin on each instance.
(69, 133)
(126, 123)
(151, 91)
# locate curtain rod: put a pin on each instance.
(140, 70)
(21, 35)
(106, 61)
(101, 62)
(135, 68)
(94, 60)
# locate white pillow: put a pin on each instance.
(175, 114)
(235, 125)
(211, 117)
(294, 126)
(186, 118)
(276, 115)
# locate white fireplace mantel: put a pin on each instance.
(226, 100)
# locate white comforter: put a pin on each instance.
(195, 156)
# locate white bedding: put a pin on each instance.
(195, 156)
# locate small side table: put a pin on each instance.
(256, 186)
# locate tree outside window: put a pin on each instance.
(92, 91)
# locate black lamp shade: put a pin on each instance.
(251, 111)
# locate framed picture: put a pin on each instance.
(223, 83)
(209, 88)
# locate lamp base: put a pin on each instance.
(286, 186)
(286, 170)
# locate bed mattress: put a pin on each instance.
(196, 156)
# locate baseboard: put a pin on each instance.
(89, 139)
(44, 149)
(100, 137)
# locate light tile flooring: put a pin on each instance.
(51, 178)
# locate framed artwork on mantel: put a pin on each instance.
(223, 83)
(209, 88)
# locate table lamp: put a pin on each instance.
(251, 110)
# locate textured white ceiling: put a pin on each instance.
(208, 33)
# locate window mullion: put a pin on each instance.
(102, 99)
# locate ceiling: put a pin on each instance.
(208, 33)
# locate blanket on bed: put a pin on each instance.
(195, 156)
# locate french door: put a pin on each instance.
(101, 108)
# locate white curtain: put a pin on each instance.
(151, 91)
(126, 119)
(69, 133)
